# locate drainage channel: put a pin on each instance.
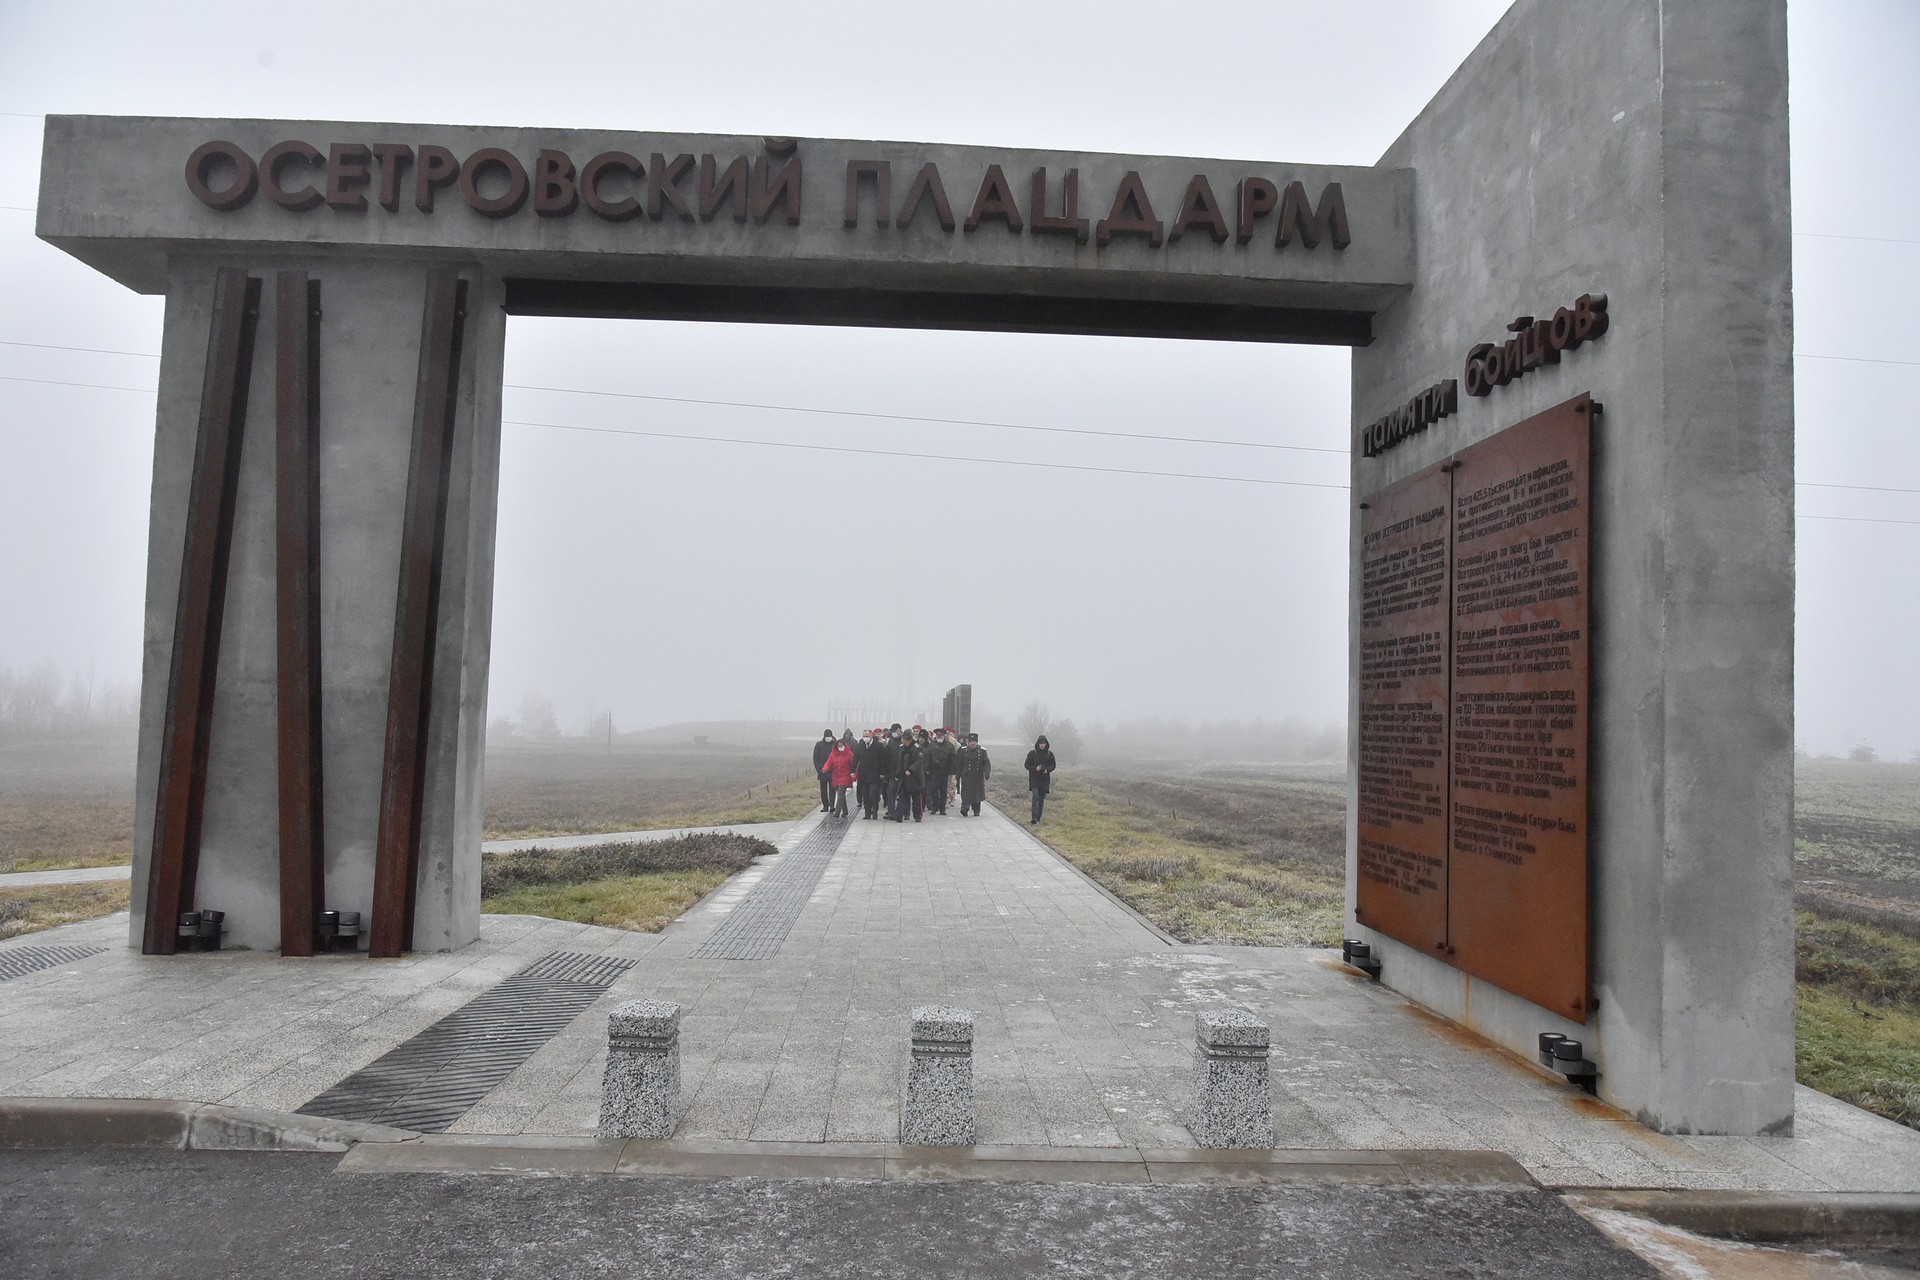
(21, 961)
(430, 1081)
(756, 928)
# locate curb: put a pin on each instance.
(1763, 1217)
(550, 1155)
(35, 1124)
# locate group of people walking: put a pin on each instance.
(913, 772)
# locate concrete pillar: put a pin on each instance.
(938, 1110)
(640, 1092)
(1232, 1095)
(1638, 149)
(370, 331)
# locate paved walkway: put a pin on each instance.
(1084, 1029)
(67, 875)
(123, 871)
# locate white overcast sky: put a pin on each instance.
(674, 580)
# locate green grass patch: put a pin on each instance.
(635, 884)
(29, 910)
(1220, 856)
(645, 903)
(1864, 1054)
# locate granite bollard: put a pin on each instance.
(938, 1111)
(640, 1093)
(1232, 1098)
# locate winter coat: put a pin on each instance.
(974, 764)
(820, 750)
(940, 754)
(1040, 766)
(913, 767)
(840, 766)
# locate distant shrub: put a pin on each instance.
(500, 872)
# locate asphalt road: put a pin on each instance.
(206, 1214)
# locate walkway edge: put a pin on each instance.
(1105, 892)
(1766, 1217)
(159, 1123)
(535, 1154)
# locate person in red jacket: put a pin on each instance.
(839, 771)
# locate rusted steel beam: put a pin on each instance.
(415, 618)
(180, 803)
(297, 607)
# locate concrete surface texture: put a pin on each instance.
(1641, 153)
(112, 1213)
(640, 1088)
(1084, 1030)
(369, 357)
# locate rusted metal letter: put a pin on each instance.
(663, 177)
(438, 168)
(995, 201)
(555, 194)
(926, 185)
(394, 158)
(246, 178)
(1131, 215)
(880, 173)
(1199, 211)
(1256, 198)
(274, 159)
(507, 202)
(1069, 223)
(612, 210)
(769, 190)
(728, 186)
(1328, 222)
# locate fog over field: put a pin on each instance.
(702, 578)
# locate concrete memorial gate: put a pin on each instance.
(1567, 289)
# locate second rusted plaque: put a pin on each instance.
(1401, 888)
(1517, 897)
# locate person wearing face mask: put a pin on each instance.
(839, 770)
(820, 750)
(940, 753)
(1040, 767)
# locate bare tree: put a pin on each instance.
(537, 719)
(1064, 738)
(1034, 719)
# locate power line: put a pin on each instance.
(950, 422)
(101, 386)
(98, 351)
(1854, 519)
(1808, 355)
(929, 457)
(1827, 235)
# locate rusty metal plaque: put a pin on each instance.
(1517, 893)
(1405, 569)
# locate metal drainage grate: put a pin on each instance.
(755, 929)
(435, 1078)
(25, 960)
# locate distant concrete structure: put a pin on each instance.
(1232, 1104)
(319, 585)
(640, 1092)
(937, 1110)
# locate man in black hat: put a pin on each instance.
(821, 750)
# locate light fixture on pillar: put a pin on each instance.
(1567, 1056)
(1360, 955)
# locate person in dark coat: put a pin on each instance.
(820, 750)
(911, 796)
(975, 768)
(940, 754)
(890, 753)
(1040, 767)
(866, 772)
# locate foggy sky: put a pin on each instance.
(674, 580)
